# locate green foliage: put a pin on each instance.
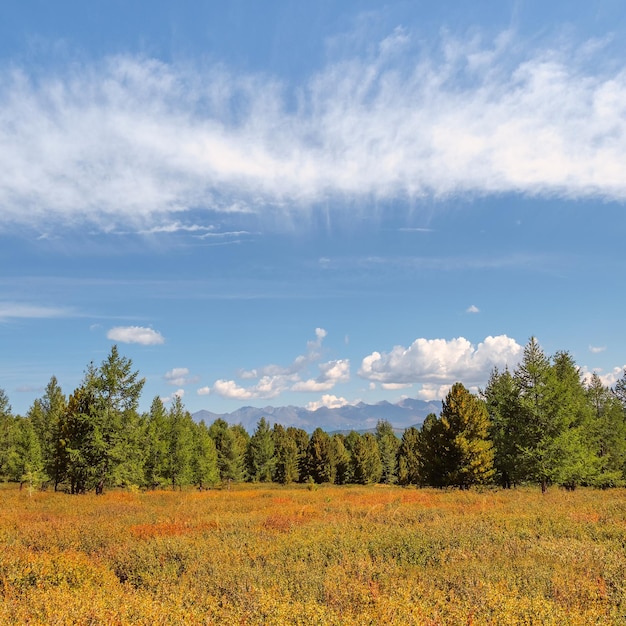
(180, 442)
(321, 460)
(368, 467)
(408, 458)
(260, 453)
(454, 449)
(156, 445)
(204, 470)
(6, 423)
(286, 456)
(502, 400)
(388, 445)
(229, 455)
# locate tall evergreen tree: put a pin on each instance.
(25, 459)
(260, 454)
(156, 445)
(46, 414)
(388, 445)
(607, 433)
(465, 423)
(502, 399)
(230, 458)
(204, 470)
(286, 452)
(535, 381)
(432, 452)
(368, 467)
(100, 431)
(301, 437)
(408, 458)
(6, 432)
(343, 459)
(180, 444)
(321, 461)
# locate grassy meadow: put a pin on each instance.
(257, 554)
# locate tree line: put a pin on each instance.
(541, 423)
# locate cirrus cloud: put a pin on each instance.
(134, 141)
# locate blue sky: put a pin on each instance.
(309, 202)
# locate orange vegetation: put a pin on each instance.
(333, 555)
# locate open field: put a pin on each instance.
(331, 555)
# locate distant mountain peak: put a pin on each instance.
(361, 416)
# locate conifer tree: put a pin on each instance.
(368, 467)
(408, 458)
(607, 433)
(502, 399)
(388, 445)
(204, 471)
(321, 461)
(156, 445)
(465, 422)
(260, 453)
(287, 456)
(180, 444)
(46, 414)
(230, 458)
(6, 431)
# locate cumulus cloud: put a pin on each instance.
(136, 334)
(272, 380)
(329, 401)
(608, 378)
(179, 393)
(472, 309)
(137, 141)
(179, 377)
(332, 373)
(441, 361)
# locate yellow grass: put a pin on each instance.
(333, 555)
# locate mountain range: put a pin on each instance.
(359, 417)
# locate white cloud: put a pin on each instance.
(179, 376)
(329, 401)
(609, 378)
(597, 349)
(136, 334)
(267, 387)
(272, 380)
(395, 386)
(204, 391)
(179, 393)
(430, 392)
(20, 310)
(136, 141)
(332, 373)
(440, 361)
(472, 309)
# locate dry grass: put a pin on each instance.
(334, 555)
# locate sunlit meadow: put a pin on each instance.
(326, 555)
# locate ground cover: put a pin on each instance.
(257, 554)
